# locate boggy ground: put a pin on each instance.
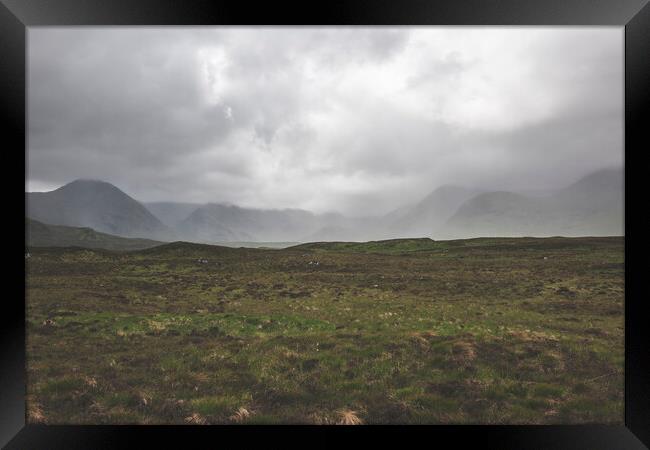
(406, 331)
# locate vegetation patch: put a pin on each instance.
(403, 331)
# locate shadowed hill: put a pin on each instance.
(385, 246)
(39, 234)
(404, 246)
(202, 254)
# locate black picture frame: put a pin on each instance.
(634, 15)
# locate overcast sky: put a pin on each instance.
(356, 120)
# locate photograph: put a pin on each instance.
(325, 225)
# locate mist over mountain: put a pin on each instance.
(431, 212)
(350, 229)
(204, 225)
(598, 191)
(592, 206)
(97, 205)
(171, 213)
(219, 222)
(502, 212)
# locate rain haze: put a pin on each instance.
(354, 120)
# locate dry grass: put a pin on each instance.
(35, 413)
(320, 419)
(156, 325)
(532, 336)
(349, 417)
(463, 352)
(201, 377)
(240, 415)
(145, 399)
(195, 419)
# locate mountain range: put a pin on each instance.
(591, 206)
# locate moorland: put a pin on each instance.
(488, 330)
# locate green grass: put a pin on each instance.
(387, 246)
(405, 331)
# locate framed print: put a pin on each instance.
(242, 222)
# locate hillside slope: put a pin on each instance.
(171, 213)
(38, 234)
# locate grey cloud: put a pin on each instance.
(448, 67)
(300, 117)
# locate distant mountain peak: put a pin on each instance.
(606, 175)
(87, 182)
(95, 204)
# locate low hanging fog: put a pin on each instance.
(229, 134)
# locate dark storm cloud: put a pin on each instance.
(120, 94)
(353, 119)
